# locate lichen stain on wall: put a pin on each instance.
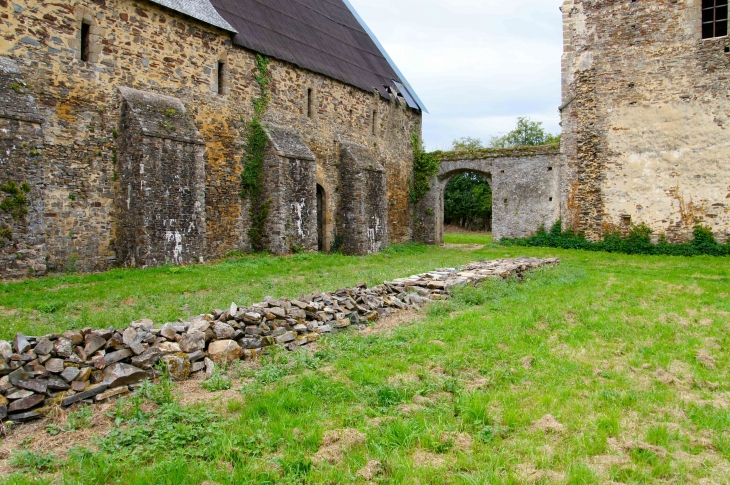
(666, 168)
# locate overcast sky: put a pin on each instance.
(476, 64)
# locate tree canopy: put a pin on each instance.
(468, 202)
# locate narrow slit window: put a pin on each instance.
(221, 76)
(310, 103)
(714, 18)
(85, 41)
(375, 120)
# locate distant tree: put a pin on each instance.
(467, 144)
(527, 133)
(468, 202)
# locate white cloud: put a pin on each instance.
(476, 64)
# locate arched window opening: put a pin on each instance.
(468, 203)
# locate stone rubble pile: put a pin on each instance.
(88, 365)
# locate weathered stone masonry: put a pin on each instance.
(645, 114)
(525, 190)
(81, 151)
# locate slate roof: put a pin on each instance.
(324, 36)
(198, 9)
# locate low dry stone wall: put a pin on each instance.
(95, 365)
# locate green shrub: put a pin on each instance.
(637, 241)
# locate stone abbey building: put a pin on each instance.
(122, 131)
(646, 114)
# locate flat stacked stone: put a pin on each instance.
(37, 373)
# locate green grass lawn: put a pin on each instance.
(628, 354)
(468, 238)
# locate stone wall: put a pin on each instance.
(143, 46)
(39, 374)
(363, 224)
(645, 110)
(22, 236)
(525, 190)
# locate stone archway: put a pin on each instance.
(525, 191)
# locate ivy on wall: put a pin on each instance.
(252, 178)
(15, 203)
(425, 166)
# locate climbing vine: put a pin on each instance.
(425, 166)
(15, 203)
(253, 159)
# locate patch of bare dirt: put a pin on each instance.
(477, 384)
(403, 379)
(462, 441)
(426, 459)
(34, 436)
(336, 443)
(704, 358)
(528, 473)
(409, 408)
(548, 424)
(386, 325)
(192, 392)
(371, 470)
(527, 362)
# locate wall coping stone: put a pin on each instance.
(362, 155)
(288, 143)
(161, 116)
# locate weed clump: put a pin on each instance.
(637, 241)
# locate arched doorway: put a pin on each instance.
(467, 202)
(321, 211)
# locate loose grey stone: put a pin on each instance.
(148, 358)
(84, 375)
(26, 403)
(117, 375)
(131, 336)
(224, 351)
(63, 348)
(170, 347)
(209, 366)
(145, 325)
(20, 394)
(117, 356)
(19, 375)
(196, 356)
(55, 366)
(25, 417)
(197, 367)
(178, 365)
(84, 395)
(6, 350)
(93, 343)
(168, 331)
(39, 386)
(70, 373)
(192, 342)
(223, 331)
(21, 344)
(286, 338)
(43, 347)
(76, 338)
(55, 383)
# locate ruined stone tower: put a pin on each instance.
(645, 114)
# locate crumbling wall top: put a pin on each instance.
(485, 153)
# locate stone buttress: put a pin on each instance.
(161, 170)
(362, 223)
(290, 181)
